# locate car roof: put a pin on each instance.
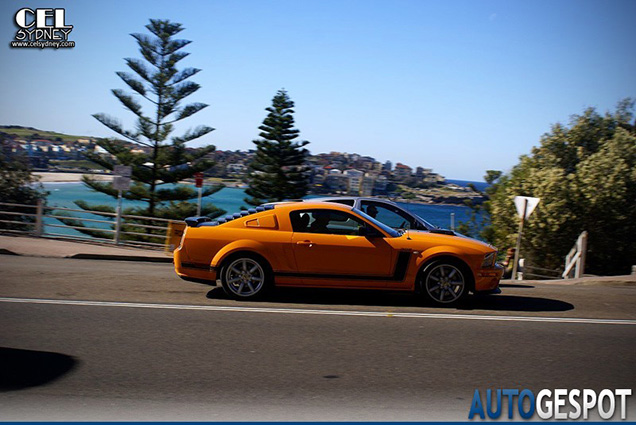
(352, 198)
(310, 203)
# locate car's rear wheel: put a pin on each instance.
(444, 282)
(245, 276)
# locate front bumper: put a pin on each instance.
(487, 280)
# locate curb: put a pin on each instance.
(620, 280)
(113, 257)
(110, 257)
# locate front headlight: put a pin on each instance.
(489, 260)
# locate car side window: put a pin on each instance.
(325, 221)
(388, 214)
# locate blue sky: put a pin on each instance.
(457, 86)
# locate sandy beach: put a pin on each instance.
(69, 177)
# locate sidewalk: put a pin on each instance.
(47, 247)
(622, 280)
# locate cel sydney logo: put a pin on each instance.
(42, 28)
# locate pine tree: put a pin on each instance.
(278, 170)
(158, 161)
(18, 186)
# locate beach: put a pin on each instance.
(69, 177)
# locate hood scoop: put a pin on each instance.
(443, 232)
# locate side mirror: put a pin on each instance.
(369, 232)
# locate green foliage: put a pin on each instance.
(31, 133)
(82, 164)
(585, 175)
(491, 176)
(18, 186)
(278, 170)
(477, 226)
(157, 161)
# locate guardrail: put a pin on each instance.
(149, 232)
(539, 273)
(575, 260)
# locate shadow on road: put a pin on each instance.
(25, 368)
(335, 297)
(515, 285)
(515, 303)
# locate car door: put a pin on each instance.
(329, 251)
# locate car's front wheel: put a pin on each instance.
(245, 276)
(444, 282)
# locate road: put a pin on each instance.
(104, 340)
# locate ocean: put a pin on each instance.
(229, 199)
(464, 183)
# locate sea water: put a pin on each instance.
(230, 199)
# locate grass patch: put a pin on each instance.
(34, 133)
(83, 164)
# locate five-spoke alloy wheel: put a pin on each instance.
(444, 283)
(245, 276)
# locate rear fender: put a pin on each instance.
(237, 246)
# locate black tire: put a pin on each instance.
(246, 276)
(445, 282)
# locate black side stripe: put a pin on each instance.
(401, 265)
(199, 266)
(399, 273)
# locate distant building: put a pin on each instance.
(336, 182)
(366, 186)
(402, 171)
(236, 168)
(434, 178)
(388, 166)
(380, 184)
(355, 181)
(421, 172)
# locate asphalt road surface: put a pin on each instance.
(105, 340)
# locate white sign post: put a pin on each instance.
(121, 181)
(525, 206)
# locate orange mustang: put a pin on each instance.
(327, 245)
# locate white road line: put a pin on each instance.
(323, 312)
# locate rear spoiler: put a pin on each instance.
(195, 221)
(207, 221)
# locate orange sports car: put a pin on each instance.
(327, 245)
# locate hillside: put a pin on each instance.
(34, 133)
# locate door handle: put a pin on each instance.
(308, 243)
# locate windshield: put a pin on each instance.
(426, 223)
(391, 231)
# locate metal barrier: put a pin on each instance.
(540, 273)
(150, 232)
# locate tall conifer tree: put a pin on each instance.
(278, 170)
(158, 161)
